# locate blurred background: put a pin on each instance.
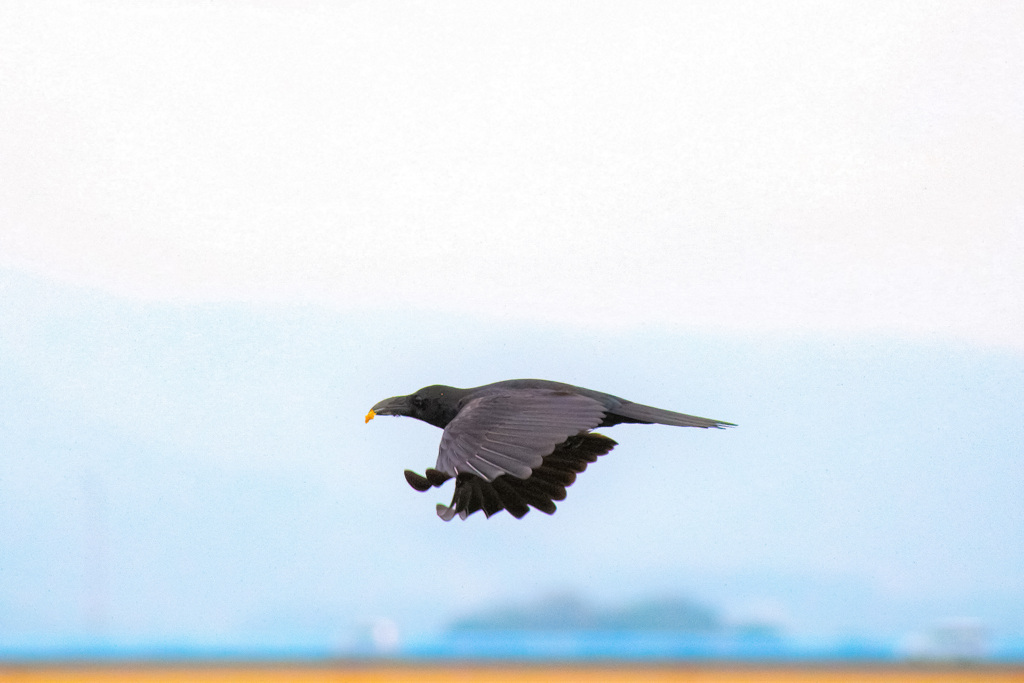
(227, 229)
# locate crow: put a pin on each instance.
(518, 443)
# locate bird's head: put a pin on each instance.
(436, 405)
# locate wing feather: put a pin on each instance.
(510, 432)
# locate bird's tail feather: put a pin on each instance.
(649, 415)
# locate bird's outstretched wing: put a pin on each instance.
(510, 432)
(546, 485)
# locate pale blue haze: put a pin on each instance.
(203, 475)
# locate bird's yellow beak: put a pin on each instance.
(369, 416)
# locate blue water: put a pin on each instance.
(525, 646)
(639, 646)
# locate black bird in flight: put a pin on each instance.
(518, 443)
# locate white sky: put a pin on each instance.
(851, 167)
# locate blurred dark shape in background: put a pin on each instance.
(569, 612)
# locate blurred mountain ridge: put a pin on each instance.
(573, 613)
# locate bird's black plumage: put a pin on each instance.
(518, 444)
